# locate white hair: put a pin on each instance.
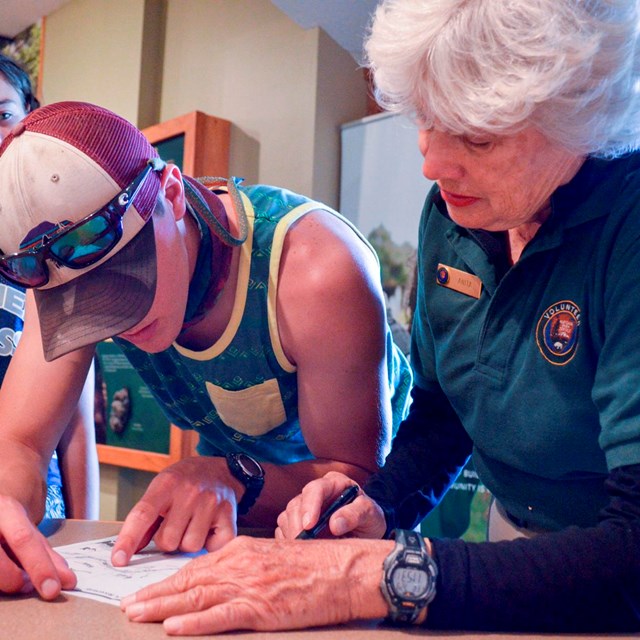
(571, 68)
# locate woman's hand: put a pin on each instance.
(363, 518)
(268, 585)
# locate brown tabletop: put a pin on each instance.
(73, 618)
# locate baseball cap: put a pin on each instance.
(60, 164)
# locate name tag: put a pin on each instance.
(460, 281)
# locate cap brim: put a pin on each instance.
(101, 303)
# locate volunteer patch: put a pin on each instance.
(557, 332)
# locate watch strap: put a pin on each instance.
(253, 482)
(410, 554)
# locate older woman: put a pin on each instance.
(525, 344)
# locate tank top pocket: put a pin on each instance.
(253, 411)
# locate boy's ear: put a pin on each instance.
(173, 188)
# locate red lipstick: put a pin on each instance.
(457, 200)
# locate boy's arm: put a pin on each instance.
(79, 458)
(36, 402)
(331, 317)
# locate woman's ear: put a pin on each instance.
(173, 188)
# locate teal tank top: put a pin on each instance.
(241, 393)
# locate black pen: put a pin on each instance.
(347, 496)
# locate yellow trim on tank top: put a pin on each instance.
(274, 269)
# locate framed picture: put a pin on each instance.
(131, 429)
(382, 191)
(26, 49)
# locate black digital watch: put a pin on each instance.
(409, 580)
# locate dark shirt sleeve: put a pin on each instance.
(575, 580)
(422, 463)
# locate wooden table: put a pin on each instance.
(73, 618)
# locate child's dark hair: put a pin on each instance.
(19, 79)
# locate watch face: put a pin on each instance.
(249, 466)
(408, 582)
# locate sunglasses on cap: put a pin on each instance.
(77, 245)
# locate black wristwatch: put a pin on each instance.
(250, 472)
(409, 580)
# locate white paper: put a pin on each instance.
(99, 580)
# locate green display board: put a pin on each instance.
(132, 417)
(463, 512)
(172, 150)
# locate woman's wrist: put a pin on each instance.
(364, 574)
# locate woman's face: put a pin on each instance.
(496, 182)
(11, 107)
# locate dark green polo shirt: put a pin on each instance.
(543, 368)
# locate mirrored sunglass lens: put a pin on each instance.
(27, 270)
(87, 243)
